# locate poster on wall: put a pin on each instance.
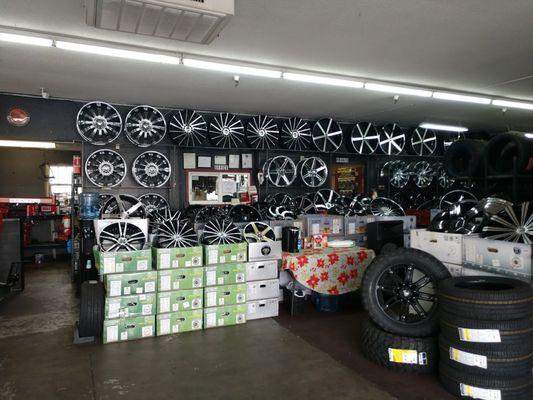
(247, 161)
(220, 160)
(189, 160)
(234, 161)
(204, 162)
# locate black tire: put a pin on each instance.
(388, 247)
(516, 332)
(465, 158)
(486, 298)
(92, 300)
(505, 361)
(423, 261)
(518, 388)
(502, 148)
(375, 346)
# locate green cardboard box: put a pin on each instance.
(224, 316)
(183, 257)
(180, 300)
(130, 283)
(225, 295)
(180, 278)
(122, 329)
(225, 253)
(122, 261)
(225, 274)
(130, 306)
(178, 322)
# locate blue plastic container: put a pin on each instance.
(326, 302)
(89, 208)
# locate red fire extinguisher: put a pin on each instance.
(76, 165)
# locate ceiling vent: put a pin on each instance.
(196, 21)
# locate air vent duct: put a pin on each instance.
(196, 21)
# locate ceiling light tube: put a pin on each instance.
(397, 90)
(234, 69)
(322, 80)
(27, 144)
(460, 97)
(438, 127)
(113, 52)
(23, 39)
(529, 135)
(513, 104)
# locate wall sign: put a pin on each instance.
(18, 117)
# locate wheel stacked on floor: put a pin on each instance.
(399, 294)
(486, 338)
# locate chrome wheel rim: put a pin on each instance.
(281, 171)
(455, 196)
(226, 131)
(313, 172)
(221, 232)
(262, 132)
(99, 123)
(105, 168)
(121, 236)
(187, 128)
(512, 224)
(423, 174)
(295, 134)
(145, 126)
(176, 233)
(384, 207)
(325, 199)
(151, 169)
(154, 204)
(122, 206)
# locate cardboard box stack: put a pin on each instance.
(225, 285)
(180, 282)
(262, 280)
(130, 303)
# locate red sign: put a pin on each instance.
(18, 117)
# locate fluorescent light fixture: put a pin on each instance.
(27, 144)
(23, 39)
(112, 52)
(438, 127)
(512, 104)
(460, 97)
(529, 135)
(397, 90)
(234, 69)
(322, 80)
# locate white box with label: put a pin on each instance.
(264, 251)
(266, 289)
(261, 270)
(447, 247)
(266, 308)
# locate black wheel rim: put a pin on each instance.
(406, 294)
(151, 169)
(187, 128)
(154, 204)
(280, 199)
(424, 141)
(512, 224)
(326, 199)
(383, 207)
(295, 134)
(244, 213)
(262, 132)
(176, 233)
(391, 139)
(99, 123)
(304, 205)
(207, 213)
(221, 232)
(122, 206)
(226, 131)
(453, 197)
(423, 174)
(327, 135)
(364, 138)
(121, 236)
(255, 232)
(105, 168)
(145, 126)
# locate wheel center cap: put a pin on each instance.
(261, 132)
(520, 230)
(295, 135)
(105, 168)
(187, 129)
(225, 131)
(122, 240)
(406, 293)
(145, 125)
(99, 122)
(151, 170)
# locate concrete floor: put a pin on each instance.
(279, 358)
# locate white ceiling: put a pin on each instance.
(477, 45)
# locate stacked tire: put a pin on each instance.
(486, 337)
(404, 280)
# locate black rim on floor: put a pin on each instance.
(145, 126)
(262, 132)
(151, 169)
(226, 131)
(99, 123)
(406, 294)
(187, 128)
(295, 134)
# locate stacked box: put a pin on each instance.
(131, 301)
(355, 227)
(180, 294)
(446, 247)
(225, 285)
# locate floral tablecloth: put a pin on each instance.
(329, 270)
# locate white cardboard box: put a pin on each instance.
(266, 308)
(266, 289)
(447, 247)
(454, 269)
(264, 251)
(261, 270)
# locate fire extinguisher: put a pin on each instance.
(65, 229)
(76, 165)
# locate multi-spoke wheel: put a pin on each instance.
(99, 123)
(391, 139)
(276, 212)
(342, 206)
(102, 198)
(398, 173)
(424, 141)
(176, 233)
(382, 206)
(444, 180)
(154, 204)
(244, 213)
(423, 174)
(187, 128)
(226, 131)
(262, 208)
(327, 135)
(262, 132)
(151, 169)
(313, 171)
(121, 236)
(258, 232)
(105, 168)
(295, 134)
(208, 213)
(280, 199)
(304, 204)
(513, 224)
(325, 199)
(364, 138)
(281, 171)
(145, 126)
(221, 232)
(356, 208)
(122, 206)
(455, 196)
